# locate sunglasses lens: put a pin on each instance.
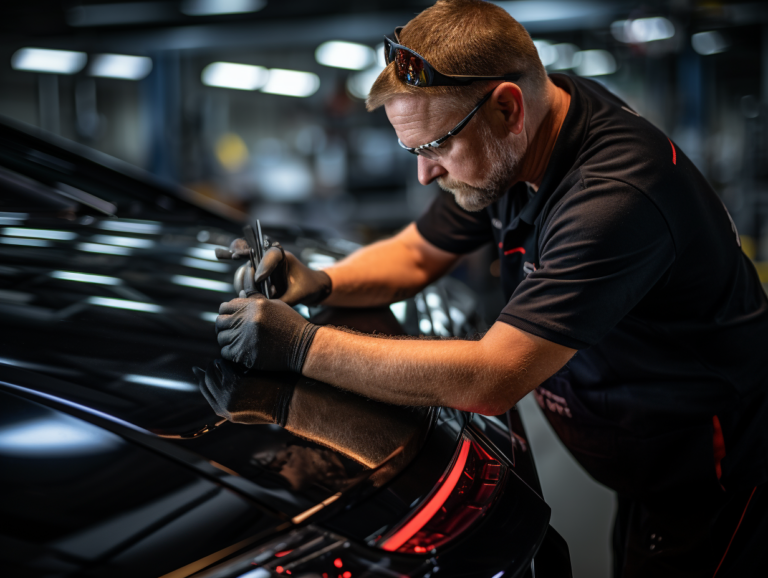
(410, 68)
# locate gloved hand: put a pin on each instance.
(294, 282)
(238, 249)
(263, 334)
(240, 398)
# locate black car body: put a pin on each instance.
(111, 461)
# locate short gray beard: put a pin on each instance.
(504, 161)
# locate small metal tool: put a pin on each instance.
(256, 244)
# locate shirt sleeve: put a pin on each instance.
(450, 228)
(603, 248)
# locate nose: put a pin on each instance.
(429, 170)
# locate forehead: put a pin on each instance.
(418, 119)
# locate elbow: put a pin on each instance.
(493, 402)
(496, 396)
(490, 408)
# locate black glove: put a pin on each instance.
(238, 249)
(294, 282)
(240, 398)
(264, 334)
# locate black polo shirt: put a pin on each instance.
(626, 254)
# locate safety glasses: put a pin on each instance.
(428, 150)
(413, 69)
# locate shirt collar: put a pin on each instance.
(566, 148)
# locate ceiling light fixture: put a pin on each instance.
(44, 60)
(348, 55)
(291, 83)
(213, 7)
(237, 76)
(642, 30)
(121, 66)
(706, 43)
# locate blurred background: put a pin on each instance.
(260, 104)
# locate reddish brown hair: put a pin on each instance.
(471, 37)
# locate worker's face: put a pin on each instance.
(478, 165)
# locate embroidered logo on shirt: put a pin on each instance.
(528, 268)
(554, 403)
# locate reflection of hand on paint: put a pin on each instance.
(363, 430)
(304, 467)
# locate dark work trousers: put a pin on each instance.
(697, 535)
(674, 517)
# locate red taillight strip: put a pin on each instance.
(432, 506)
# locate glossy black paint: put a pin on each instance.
(85, 500)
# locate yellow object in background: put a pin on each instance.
(749, 246)
(231, 152)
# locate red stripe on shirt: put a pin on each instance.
(718, 446)
(515, 250)
(674, 153)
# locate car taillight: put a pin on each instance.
(462, 496)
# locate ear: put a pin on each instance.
(507, 99)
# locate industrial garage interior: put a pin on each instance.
(259, 105)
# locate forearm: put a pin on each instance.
(468, 375)
(386, 271)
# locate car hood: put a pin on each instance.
(109, 288)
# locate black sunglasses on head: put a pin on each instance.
(413, 69)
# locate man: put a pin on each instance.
(632, 311)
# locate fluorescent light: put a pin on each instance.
(15, 216)
(56, 436)
(565, 54)
(144, 227)
(121, 66)
(529, 11)
(86, 278)
(209, 247)
(201, 253)
(160, 382)
(209, 316)
(200, 283)
(237, 76)
(27, 242)
(106, 249)
(124, 241)
(202, 264)
(43, 60)
(642, 30)
(381, 60)
(594, 63)
(398, 309)
(125, 304)
(38, 233)
(359, 84)
(291, 83)
(349, 55)
(210, 7)
(706, 43)
(547, 52)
